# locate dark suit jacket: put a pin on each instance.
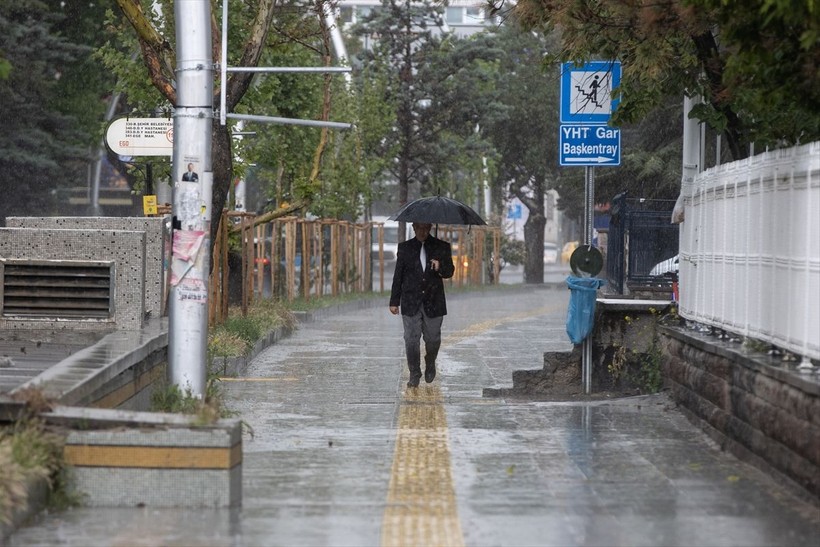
(413, 288)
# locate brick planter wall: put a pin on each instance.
(759, 408)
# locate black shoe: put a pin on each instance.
(430, 373)
(414, 381)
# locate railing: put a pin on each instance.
(750, 249)
(640, 236)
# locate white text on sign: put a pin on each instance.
(589, 145)
(583, 132)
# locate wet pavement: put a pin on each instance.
(340, 452)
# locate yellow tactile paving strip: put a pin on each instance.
(421, 501)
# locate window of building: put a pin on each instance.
(454, 15)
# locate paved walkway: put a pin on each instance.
(342, 453)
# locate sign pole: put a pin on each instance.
(589, 206)
(193, 186)
(585, 139)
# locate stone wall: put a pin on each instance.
(625, 356)
(125, 249)
(758, 407)
(157, 245)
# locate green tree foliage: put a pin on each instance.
(154, 28)
(772, 65)
(755, 63)
(351, 168)
(283, 154)
(524, 133)
(404, 41)
(288, 159)
(49, 97)
(461, 76)
(5, 68)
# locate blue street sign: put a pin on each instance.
(589, 145)
(514, 211)
(586, 91)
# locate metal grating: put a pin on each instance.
(57, 289)
(640, 236)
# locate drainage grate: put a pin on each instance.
(57, 289)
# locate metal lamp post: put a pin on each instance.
(193, 184)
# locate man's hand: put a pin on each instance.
(435, 264)
(394, 310)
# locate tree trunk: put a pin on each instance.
(534, 244)
(222, 162)
(533, 200)
(709, 56)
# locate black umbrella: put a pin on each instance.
(437, 210)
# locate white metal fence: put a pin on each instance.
(750, 249)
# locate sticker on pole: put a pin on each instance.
(586, 91)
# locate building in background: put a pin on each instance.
(461, 17)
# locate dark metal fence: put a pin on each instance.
(640, 236)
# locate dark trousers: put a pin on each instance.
(418, 326)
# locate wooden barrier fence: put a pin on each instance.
(293, 258)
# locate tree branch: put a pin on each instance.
(239, 82)
(159, 56)
(709, 57)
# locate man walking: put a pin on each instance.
(421, 265)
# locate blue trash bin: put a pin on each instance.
(581, 313)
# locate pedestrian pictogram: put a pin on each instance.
(586, 91)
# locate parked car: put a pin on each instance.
(550, 253)
(390, 241)
(567, 251)
(665, 267)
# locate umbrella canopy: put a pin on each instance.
(437, 210)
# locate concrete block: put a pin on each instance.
(118, 458)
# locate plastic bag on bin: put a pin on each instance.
(581, 313)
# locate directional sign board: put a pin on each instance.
(586, 107)
(141, 136)
(514, 211)
(595, 145)
(586, 91)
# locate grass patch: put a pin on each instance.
(30, 451)
(237, 335)
(205, 410)
(328, 301)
